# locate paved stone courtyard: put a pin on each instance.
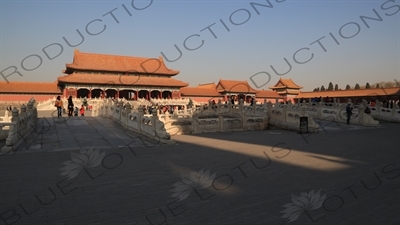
(92, 171)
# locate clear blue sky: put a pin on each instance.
(261, 41)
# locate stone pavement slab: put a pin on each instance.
(250, 177)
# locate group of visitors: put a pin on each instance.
(71, 112)
(162, 109)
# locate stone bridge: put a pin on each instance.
(213, 117)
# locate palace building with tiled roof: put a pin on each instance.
(100, 75)
(286, 88)
(227, 90)
(23, 91)
(369, 94)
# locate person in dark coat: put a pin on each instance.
(70, 106)
(348, 112)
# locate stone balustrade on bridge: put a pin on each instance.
(337, 112)
(137, 121)
(19, 127)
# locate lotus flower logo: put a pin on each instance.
(302, 203)
(85, 159)
(196, 180)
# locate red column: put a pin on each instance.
(160, 94)
(76, 92)
(65, 93)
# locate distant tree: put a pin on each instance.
(390, 84)
(367, 86)
(317, 89)
(384, 84)
(314, 90)
(336, 87)
(322, 88)
(357, 86)
(348, 87)
(330, 86)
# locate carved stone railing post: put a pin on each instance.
(393, 109)
(128, 108)
(219, 106)
(289, 105)
(220, 123)
(154, 119)
(30, 106)
(241, 105)
(269, 109)
(120, 108)
(23, 122)
(15, 114)
(166, 118)
(13, 132)
(284, 112)
(140, 116)
(378, 106)
(23, 110)
(303, 111)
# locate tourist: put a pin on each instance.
(164, 109)
(70, 106)
(252, 102)
(348, 112)
(82, 111)
(59, 105)
(367, 110)
(76, 111)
